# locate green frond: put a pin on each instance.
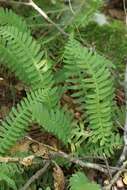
(113, 143)
(16, 123)
(55, 121)
(21, 54)
(10, 183)
(9, 18)
(79, 181)
(91, 81)
(8, 175)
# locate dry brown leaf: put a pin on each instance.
(27, 161)
(26, 145)
(58, 175)
(22, 146)
(125, 178)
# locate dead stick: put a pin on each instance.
(40, 11)
(79, 162)
(38, 174)
(23, 161)
(54, 153)
(124, 152)
(116, 177)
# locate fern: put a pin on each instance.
(53, 120)
(19, 47)
(9, 18)
(85, 73)
(79, 181)
(93, 88)
(18, 120)
(8, 174)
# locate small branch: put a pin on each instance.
(108, 168)
(54, 153)
(40, 11)
(80, 162)
(45, 16)
(125, 11)
(124, 152)
(26, 161)
(38, 174)
(70, 5)
(116, 177)
(15, 2)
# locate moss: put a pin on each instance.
(110, 39)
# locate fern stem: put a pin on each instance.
(124, 152)
(38, 174)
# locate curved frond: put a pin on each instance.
(55, 121)
(15, 125)
(93, 87)
(8, 173)
(22, 55)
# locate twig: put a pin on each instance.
(54, 153)
(125, 11)
(15, 2)
(45, 16)
(39, 10)
(26, 161)
(116, 177)
(108, 168)
(124, 152)
(70, 5)
(38, 174)
(80, 162)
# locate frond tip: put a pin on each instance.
(79, 181)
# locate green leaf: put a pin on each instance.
(8, 180)
(80, 182)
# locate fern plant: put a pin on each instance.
(20, 53)
(23, 56)
(88, 75)
(85, 75)
(79, 181)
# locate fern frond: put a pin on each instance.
(9, 18)
(16, 123)
(22, 55)
(55, 121)
(79, 181)
(8, 174)
(93, 88)
(113, 143)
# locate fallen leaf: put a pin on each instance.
(58, 175)
(125, 178)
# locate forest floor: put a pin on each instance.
(12, 91)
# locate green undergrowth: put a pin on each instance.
(109, 39)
